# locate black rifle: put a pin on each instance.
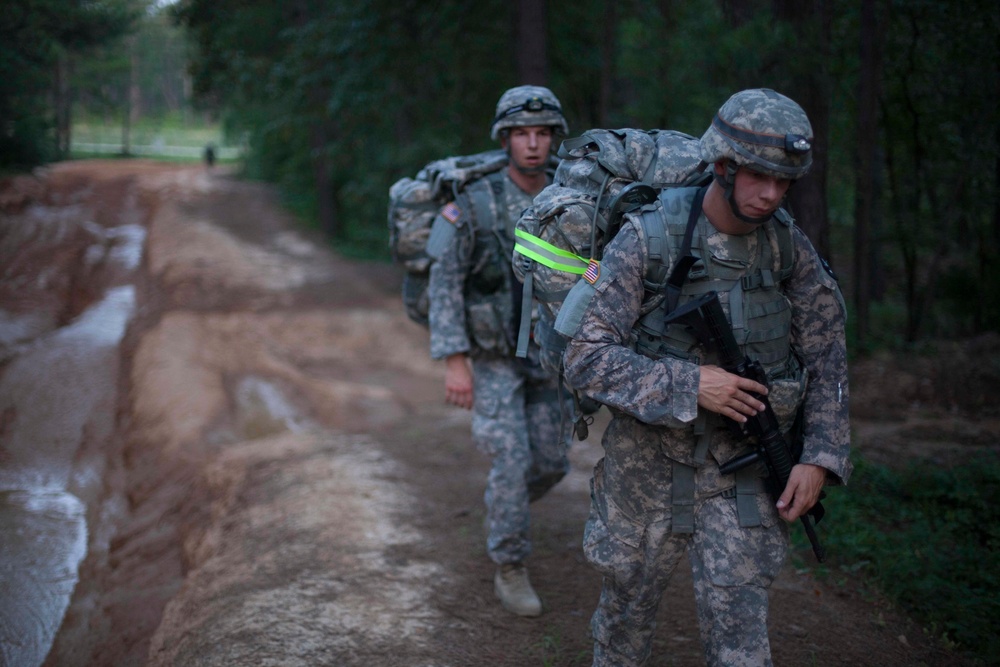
(705, 317)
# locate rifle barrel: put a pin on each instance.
(770, 445)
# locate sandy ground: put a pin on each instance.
(285, 486)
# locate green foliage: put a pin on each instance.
(682, 84)
(337, 100)
(34, 35)
(968, 290)
(888, 320)
(929, 536)
(342, 98)
(103, 79)
(940, 120)
(553, 652)
(26, 140)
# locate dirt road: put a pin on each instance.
(284, 485)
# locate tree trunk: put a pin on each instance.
(127, 127)
(866, 167)
(808, 197)
(134, 89)
(326, 199)
(63, 104)
(994, 236)
(530, 46)
(609, 47)
(321, 128)
(131, 97)
(811, 89)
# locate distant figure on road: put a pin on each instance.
(209, 155)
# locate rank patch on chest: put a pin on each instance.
(593, 271)
(451, 213)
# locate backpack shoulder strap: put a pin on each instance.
(683, 265)
(783, 231)
(485, 197)
(687, 260)
(654, 223)
(654, 229)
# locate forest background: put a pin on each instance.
(333, 101)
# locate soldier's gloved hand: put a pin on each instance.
(729, 394)
(458, 381)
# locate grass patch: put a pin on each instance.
(929, 537)
(172, 129)
(173, 137)
(178, 159)
(554, 653)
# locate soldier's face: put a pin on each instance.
(529, 146)
(758, 195)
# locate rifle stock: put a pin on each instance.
(709, 323)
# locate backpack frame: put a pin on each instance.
(414, 203)
(603, 175)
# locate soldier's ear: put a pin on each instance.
(720, 167)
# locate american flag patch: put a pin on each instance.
(451, 213)
(593, 272)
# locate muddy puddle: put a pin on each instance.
(58, 392)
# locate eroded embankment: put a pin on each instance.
(231, 470)
(66, 298)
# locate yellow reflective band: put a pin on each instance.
(548, 255)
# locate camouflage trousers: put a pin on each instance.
(732, 568)
(517, 423)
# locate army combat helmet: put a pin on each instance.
(762, 130)
(525, 106)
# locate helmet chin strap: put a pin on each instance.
(529, 171)
(728, 183)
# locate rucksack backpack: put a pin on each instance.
(603, 175)
(413, 205)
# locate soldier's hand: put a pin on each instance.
(805, 483)
(729, 394)
(458, 381)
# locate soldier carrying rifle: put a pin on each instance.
(659, 490)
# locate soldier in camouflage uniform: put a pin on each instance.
(658, 491)
(473, 296)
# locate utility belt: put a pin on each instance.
(748, 482)
(748, 486)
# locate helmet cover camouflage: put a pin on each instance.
(762, 130)
(526, 106)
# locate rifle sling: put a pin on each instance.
(683, 265)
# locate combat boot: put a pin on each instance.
(514, 590)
